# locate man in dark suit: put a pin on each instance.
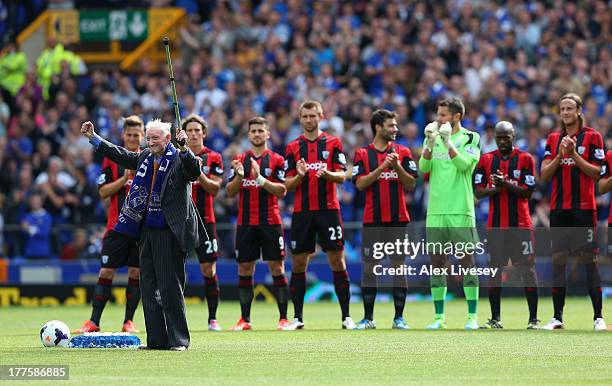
(159, 209)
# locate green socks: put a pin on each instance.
(438, 293)
(470, 288)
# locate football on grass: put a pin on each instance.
(55, 333)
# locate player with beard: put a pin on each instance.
(385, 171)
(450, 156)
(203, 192)
(259, 176)
(507, 177)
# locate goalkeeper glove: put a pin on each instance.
(431, 133)
(445, 134)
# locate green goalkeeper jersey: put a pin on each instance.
(450, 180)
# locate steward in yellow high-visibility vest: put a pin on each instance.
(13, 69)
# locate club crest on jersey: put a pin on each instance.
(206, 169)
(599, 154)
(325, 154)
(268, 172)
(516, 173)
(581, 150)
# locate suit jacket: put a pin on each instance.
(177, 206)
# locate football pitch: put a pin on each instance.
(324, 354)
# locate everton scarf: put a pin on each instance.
(138, 203)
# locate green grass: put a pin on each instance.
(324, 354)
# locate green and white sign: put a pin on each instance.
(113, 25)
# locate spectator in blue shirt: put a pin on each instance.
(37, 227)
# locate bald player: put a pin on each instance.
(507, 177)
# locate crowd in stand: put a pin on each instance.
(238, 60)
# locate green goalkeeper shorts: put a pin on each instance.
(455, 228)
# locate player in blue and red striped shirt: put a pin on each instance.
(259, 176)
(315, 164)
(573, 159)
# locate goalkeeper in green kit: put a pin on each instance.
(450, 155)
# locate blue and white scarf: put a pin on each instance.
(135, 205)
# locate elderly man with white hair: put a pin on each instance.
(159, 209)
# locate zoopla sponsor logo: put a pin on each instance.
(315, 166)
(249, 182)
(388, 175)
